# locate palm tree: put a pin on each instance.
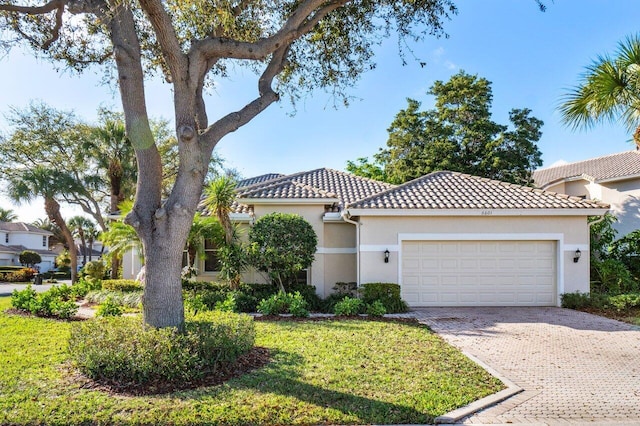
(220, 195)
(27, 184)
(78, 226)
(7, 215)
(609, 91)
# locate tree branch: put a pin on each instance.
(299, 23)
(34, 10)
(233, 121)
(171, 50)
(57, 5)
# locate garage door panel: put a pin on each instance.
(479, 273)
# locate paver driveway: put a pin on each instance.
(574, 367)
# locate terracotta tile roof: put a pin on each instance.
(22, 227)
(319, 183)
(258, 179)
(284, 189)
(614, 166)
(451, 190)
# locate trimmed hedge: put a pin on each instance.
(121, 350)
(387, 293)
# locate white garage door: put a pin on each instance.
(479, 273)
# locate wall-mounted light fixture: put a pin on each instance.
(576, 256)
(386, 256)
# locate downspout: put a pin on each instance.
(345, 216)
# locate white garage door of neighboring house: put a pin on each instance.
(479, 273)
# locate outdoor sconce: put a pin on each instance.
(386, 256)
(576, 256)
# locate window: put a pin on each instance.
(6, 237)
(44, 241)
(211, 261)
(303, 277)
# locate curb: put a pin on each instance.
(455, 416)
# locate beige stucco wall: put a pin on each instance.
(379, 233)
(622, 195)
(335, 260)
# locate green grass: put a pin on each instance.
(332, 372)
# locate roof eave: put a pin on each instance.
(322, 201)
(560, 211)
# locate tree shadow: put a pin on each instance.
(282, 377)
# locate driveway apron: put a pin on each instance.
(573, 367)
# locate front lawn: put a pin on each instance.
(323, 372)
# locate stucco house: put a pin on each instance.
(613, 179)
(16, 237)
(448, 239)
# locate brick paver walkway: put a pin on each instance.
(573, 367)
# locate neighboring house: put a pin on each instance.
(448, 239)
(613, 179)
(16, 237)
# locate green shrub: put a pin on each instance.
(579, 300)
(298, 305)
(22, 299)
(625, 302)
(346, 288)
(94, 269)
(228, 304)
(308, 292)
(122, 350)
(283, 303)
(109, 308)
(57, 302)
(329, 303)
(84, 286)
(274, 305)
(121, 285)
(376, 309)
(195, 304)
(387, 293)
(349, 306)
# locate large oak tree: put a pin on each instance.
(301, 44)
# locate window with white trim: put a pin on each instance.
(44, 241)
(211, 261)
(6, 237)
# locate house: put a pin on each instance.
(613, 179)
(448, 239)
(16, 237)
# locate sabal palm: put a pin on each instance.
(7, 215)
(78, 226)
(26, 185)
(609, 91)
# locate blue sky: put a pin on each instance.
(531, 58)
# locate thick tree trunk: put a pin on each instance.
(162, 302)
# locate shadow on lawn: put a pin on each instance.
(281, 377)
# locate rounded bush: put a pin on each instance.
(349, 306)
(121, 285)
(121, 350)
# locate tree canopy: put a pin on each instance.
(294, 47)
(457, 135)
(609, 90)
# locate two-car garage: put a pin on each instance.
(479, 273)
(450, 239)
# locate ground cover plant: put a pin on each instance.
(354, 372)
